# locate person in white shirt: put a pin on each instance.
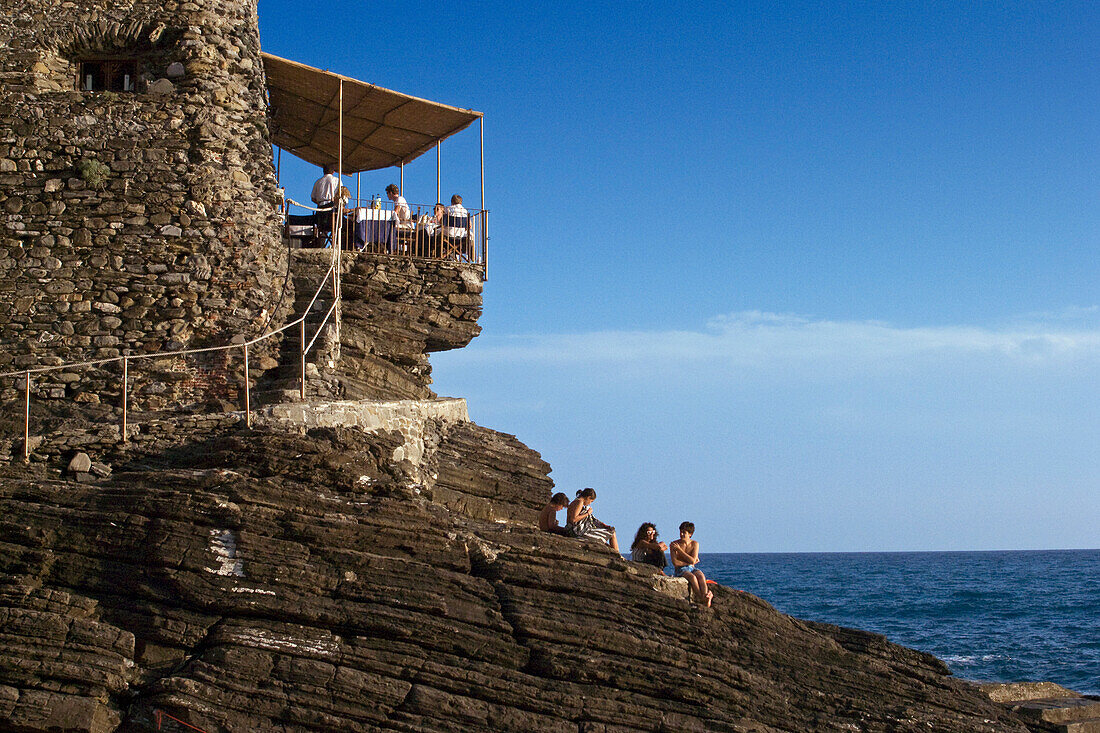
(401, 210)
(456, 209)
(324, 193)
(324, 190)
(427, 230)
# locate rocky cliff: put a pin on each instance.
(272, 580)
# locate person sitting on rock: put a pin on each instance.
(646, 549)
(685, 554)
(581, 523)
(548, 517)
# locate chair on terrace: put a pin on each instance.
(457, 238)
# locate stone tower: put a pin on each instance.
(137, 196)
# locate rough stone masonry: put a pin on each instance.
(134, 221)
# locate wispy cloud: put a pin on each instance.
(756, 338)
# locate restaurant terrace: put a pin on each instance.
(325, 118)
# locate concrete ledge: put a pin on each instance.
(675, 587)
(407, 417)
(1021, 691)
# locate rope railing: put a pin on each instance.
(292, 202)
(318, 333)
(244, 345)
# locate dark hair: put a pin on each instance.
(560, 499)
(456, 199)
(586, 494)
(328, 168)
(392, 188)
(641, 533)
(688, 527)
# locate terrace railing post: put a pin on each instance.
(302, 343)
(27, 420)
(247, 403)
(125, 388)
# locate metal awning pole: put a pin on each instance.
(438, 196)
(339, 224)
(340, 140)
(482, 163)
(401, 177)
(358, 187)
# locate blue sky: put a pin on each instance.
(815, 276)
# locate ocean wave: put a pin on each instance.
(976, 658)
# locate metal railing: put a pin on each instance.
(332, 275)
(429, 234)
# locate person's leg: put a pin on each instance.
(693, 584)
(705, 593)
(614, 541)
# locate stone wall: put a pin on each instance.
(417, 421)
(134, 222)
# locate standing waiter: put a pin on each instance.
(324, 192)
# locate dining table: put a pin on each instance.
(372, 227)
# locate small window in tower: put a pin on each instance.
(108, 75)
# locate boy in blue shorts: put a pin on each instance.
(685, 554)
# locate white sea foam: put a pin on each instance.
(976, 658)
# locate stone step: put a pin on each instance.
(291, 369)
(1070, 711)
(276, 396)
(1092, 725)
(1061, 710)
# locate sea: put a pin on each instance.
(991, 616)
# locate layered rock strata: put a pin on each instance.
(263, 580)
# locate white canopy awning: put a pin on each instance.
(382, 128)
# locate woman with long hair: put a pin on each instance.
(647, 549)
